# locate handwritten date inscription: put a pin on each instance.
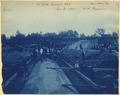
(59, 6)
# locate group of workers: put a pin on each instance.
(103, 47)
(44, 52)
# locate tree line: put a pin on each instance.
(64, 34)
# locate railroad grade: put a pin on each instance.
(79, 81)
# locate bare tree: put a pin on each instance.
(100, 31)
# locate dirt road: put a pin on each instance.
(47, 81)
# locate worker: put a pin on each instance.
(108, 80)
(41, 54)
(35, 53)
(52, 52)
(76, 48)
(81, 47)
(82, 54)
(110, 48)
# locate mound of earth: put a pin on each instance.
(85, 44)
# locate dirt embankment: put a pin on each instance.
(14, 57)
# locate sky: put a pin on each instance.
(84, 17)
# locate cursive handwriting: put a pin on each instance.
(59, 6)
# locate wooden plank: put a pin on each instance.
(95, 60)
(89, 81)
(99, 60)
(29, 61)
(59, 68)
(9, 81)
(83, 85)
(105, 69)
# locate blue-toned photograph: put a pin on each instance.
(65, 47)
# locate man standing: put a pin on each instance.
(82, 54)
(41, 54)
(35, 52)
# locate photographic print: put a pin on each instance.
(60, 47)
